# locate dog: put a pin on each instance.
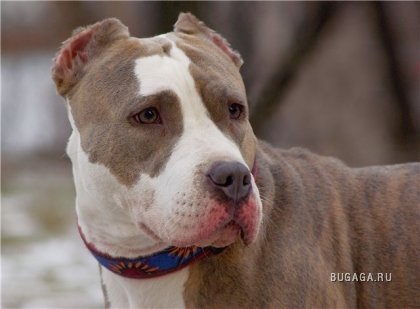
(183, 207)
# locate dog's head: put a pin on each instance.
(160, 127)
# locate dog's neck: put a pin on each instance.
(112, 232)
(123, 238)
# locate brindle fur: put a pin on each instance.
(320, 216)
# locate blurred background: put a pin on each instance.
(342, 79)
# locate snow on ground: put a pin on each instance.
(44, 261)
(50, 273)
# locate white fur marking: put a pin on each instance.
(163, 292)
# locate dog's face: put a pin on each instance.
(161, 129)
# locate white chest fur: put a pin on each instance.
(161, 292)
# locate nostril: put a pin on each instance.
(247, 180)
(229, 181)
(222, 181)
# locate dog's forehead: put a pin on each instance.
(158, 72)
(206, 63)
(209, 62)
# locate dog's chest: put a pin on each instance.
(162, 292)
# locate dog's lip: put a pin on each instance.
(208, 239)
(218, 238)
(244, 233)
(223, 236)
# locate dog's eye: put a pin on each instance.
(235, 110)
(147, 116)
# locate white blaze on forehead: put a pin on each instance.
(160, 72)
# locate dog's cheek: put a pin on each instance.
(138, 199)
(95, 179)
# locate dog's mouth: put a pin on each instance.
(220, 229)
(222, 237)
(225, 236)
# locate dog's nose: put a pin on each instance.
(233, 178)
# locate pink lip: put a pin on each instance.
(202, 238)
(244, 223)
(248, 217)
(227, 235)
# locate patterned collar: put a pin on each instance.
(158, 264)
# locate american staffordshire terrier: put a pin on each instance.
(183, 207)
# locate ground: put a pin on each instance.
(44, 262)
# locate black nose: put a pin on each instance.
(233, 178)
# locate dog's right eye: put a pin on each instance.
(235, 110)
(147, 116)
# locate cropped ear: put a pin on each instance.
(84, 45)
(189, 24)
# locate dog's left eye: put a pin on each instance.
(147, 116)
(235, 110)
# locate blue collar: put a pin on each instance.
(158, 264)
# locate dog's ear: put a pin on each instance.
(189, 24)
(84, 45)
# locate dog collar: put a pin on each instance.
(158, 264)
